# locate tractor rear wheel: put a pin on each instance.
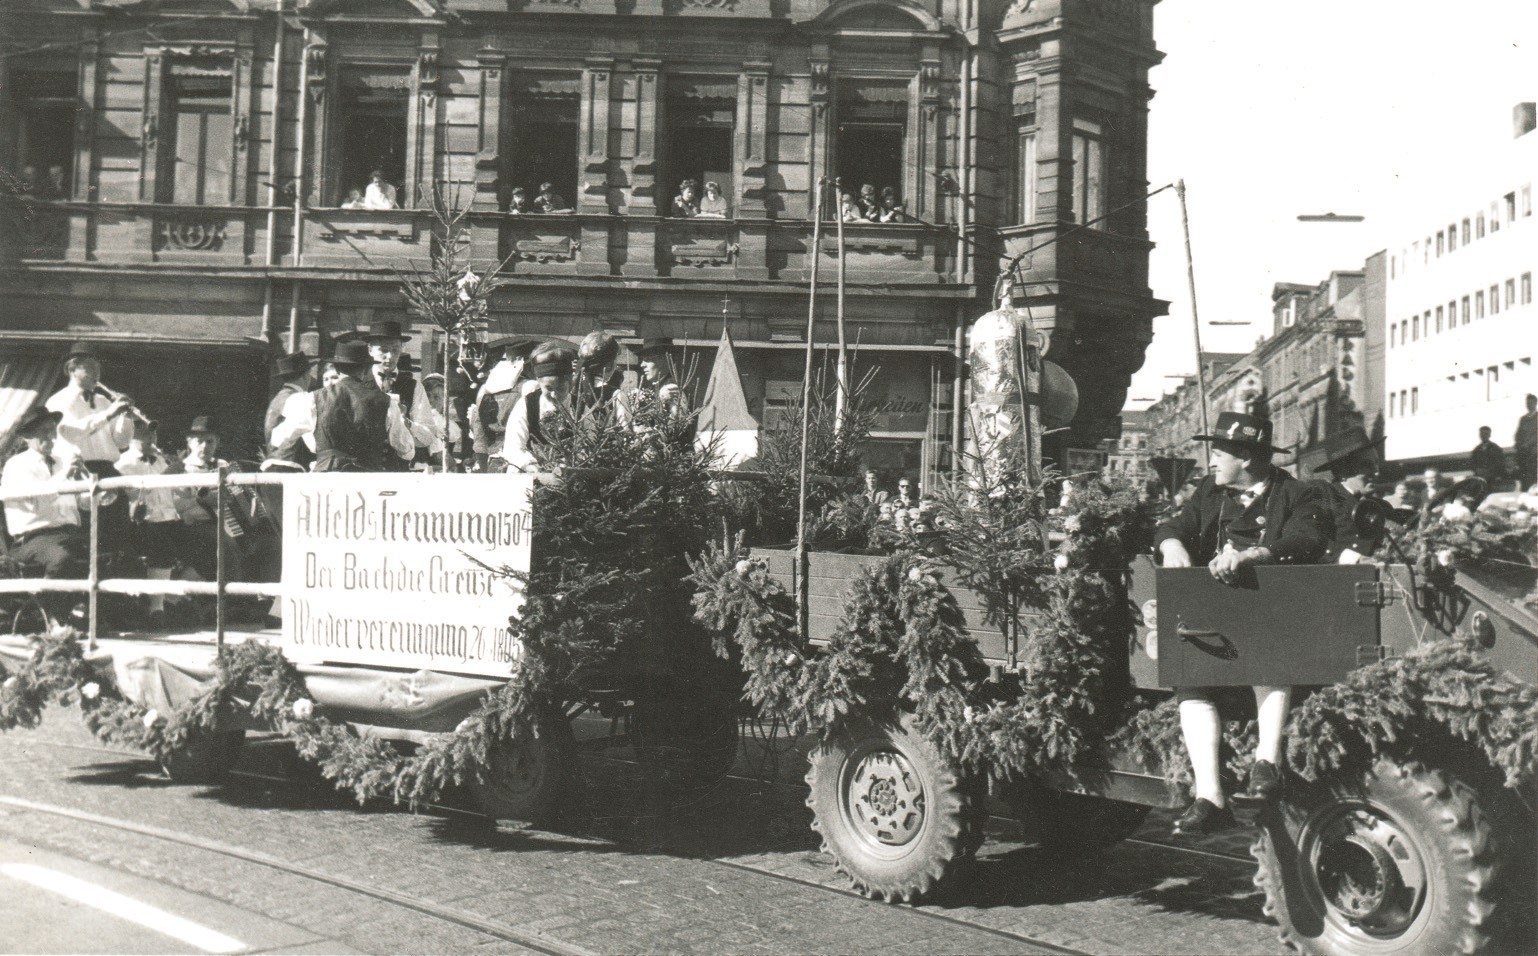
(530, 779)
(897, 817)
(1399, 863)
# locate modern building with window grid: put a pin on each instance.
(1461, 329)
(208, 158)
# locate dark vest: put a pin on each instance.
(351, 427)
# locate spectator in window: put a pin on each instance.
(686, 203)
(44, 528)
(1526, 442)
(379, 194)
(891, 209)
(548, 200)
(518, 202)
(1488, 460)
(354, 200)
(714, 205)
(849, 208)
(535, 418)
(870, 203)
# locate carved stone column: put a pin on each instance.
(422, 142)
(488, 158)
(645, 199)
(316, 175)
(593, 139)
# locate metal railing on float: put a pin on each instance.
(93, 586)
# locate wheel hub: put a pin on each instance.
(884, 800)
(1368, 872)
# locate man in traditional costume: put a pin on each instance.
(1246, 512)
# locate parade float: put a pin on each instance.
(1004, 645)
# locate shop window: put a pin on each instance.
(869, 151)
(200, 137)
(545, 141)
(1089, 172)
(698, 145)
(45, 131)
(375, 108)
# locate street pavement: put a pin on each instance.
(277, 865)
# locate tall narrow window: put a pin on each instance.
(1441, 244)
(1466, 233)
(1089, 172)
(544, 143)
(1452, 237)
(701, 123)
(1415, 329)
(1495, 300)
(1415, 400)
(1495, 217)
(1439, 319)
(872, 138)
(1511, 293)
(201, 133)
(1466, 315)
(375, 106)
(1511, 207)
(1479, 304)
(1023, 181)
(1452, 314)
(45, 131)
(1479, 226)
(1393, 335)
(1527, 201)
(1527, 288)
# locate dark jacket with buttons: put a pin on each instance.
(1291, 518)
(1342, 502)
(351, 427)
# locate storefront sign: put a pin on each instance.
(402, 570)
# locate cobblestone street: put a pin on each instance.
(735, 869)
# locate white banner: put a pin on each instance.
(383, 569)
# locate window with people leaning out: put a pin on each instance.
(372, 165)
(697, 144)
(542, 177)
(870, 150)
(198, 134)
(44, 130)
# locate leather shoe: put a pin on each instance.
(1204, 816)
(1265, 780)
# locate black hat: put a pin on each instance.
(655, 347)
(83, 349)
(404, 363)
(553, 360)
(1238, 428)
(386, 329)
(352, 354)
(291, 364)
(1347, 443)
(201, 425)
(35, 419)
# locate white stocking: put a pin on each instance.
(1203, 732)
(1271, 705)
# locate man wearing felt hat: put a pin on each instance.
(658, 400)
(1245, 512)
(292, 372)
(45, 527)
(351, 417)
(539, 412)
(1351, 458)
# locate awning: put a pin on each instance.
(66, 321)
(22, 381)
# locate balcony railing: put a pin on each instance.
(632, 246)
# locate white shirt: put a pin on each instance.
(402, 442)
(296, 419)
(380, 196)
(427, 423)
(516, 448)
(159, 503)
(25, 471)
(85, 431)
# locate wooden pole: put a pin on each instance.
(95, 575)
(448, 423)
(220, 500)
(841, 399)
(802, 567)
(1196, 325)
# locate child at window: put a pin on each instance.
(379, 194)
(870, 203)
(686, 203)
(891, 209)
(518, 203)
(547, 200)
(714, 204)
(354, 199)
(848, 209)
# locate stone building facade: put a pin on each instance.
(187, 173)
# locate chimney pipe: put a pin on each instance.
(1524, 116)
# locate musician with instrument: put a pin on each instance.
(95, 427)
